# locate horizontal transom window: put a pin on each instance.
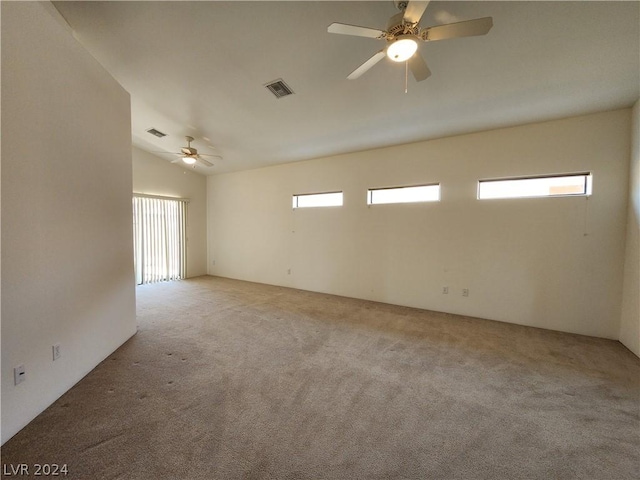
(412, 194)
(308, 200)
(542, 186)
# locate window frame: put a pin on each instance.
(434, 184)
(588, 185)
(295, 196)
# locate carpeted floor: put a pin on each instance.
(229, 380)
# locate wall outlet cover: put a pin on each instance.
(56, 351)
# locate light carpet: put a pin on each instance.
(236, 380)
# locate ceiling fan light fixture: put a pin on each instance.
(189, 160)
(403, 48)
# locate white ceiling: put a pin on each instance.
(198, 68)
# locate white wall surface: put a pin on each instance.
(67, 264)
(555, 263)
(155, 176)
(630, 324)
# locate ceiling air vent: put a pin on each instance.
(279, 88)
(157, 133)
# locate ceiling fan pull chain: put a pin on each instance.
(406, 76)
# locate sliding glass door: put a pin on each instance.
(159, 238)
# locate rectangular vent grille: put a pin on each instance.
(279, 88)
(157, 133)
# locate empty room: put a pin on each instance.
(320, 240)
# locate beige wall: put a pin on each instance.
(555, 263)
(67, 269)
(155, 176)
(630, 324)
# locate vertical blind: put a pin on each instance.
(159, 239)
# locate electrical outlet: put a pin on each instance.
(213, 263)
(19, 374)
(445, 290)
(465, 292)
(289, 271)
(56, 351)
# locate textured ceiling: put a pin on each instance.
(198, 68)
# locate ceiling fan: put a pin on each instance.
(403, 34)
(190, 155)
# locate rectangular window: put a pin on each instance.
(414, 194)
(547, 186)
(308, 200)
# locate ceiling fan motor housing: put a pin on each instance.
(397, 26)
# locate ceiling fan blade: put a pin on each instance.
(469, 28)
(366, 65)
(206, 163)
(419, 68)
(210, 155)
(414, 11)
(344, 29)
